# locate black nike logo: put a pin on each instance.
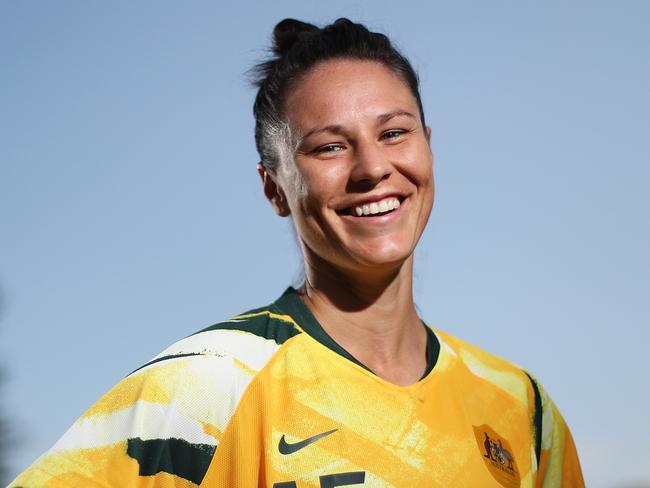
(285, 448)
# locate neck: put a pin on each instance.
(371, 314)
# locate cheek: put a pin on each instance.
(319, 183)
(417, 166)
(306, 191)
(429, 187)
(294, 185)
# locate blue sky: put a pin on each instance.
(131, 213)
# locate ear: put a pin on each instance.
(273, 192)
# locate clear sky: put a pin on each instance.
(131, 213)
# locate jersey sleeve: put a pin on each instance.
(151, 429)
(558, 464)
(161, 425)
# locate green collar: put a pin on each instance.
(291, 304)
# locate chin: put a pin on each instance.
(386, 255)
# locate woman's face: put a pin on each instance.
(361, 189)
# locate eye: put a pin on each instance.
(328, 148)
(393, 134)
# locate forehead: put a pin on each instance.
(345, 92)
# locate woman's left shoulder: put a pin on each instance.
(486, 366)
(473, 355)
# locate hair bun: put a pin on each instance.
(287, 32)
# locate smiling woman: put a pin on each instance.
(339, 382)
(364, 149)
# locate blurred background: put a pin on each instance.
(131, 213)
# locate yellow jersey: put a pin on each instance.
(268, 399)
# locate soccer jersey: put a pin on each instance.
(268, 399)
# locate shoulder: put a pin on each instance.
(250, 338)
(168, 415)
(480, 362)
(490, 373)
(206, 373)
(552, 444)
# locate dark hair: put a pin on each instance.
(297, 48)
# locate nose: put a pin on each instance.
(371, 164)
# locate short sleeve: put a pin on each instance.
(558, 464)
(159, 427)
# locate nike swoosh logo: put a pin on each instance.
(285, 448)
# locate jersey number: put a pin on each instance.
(331, 480)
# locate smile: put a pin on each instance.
(376, 208)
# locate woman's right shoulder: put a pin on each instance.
(176, 406)
(206, 373)
(246, 341)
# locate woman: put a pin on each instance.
(338, 383)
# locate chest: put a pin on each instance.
(325, 425)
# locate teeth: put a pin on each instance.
(385, 205)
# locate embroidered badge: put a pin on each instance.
(498, 456)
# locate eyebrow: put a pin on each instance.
(339, 129)
(334, 128)
(383, 118)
